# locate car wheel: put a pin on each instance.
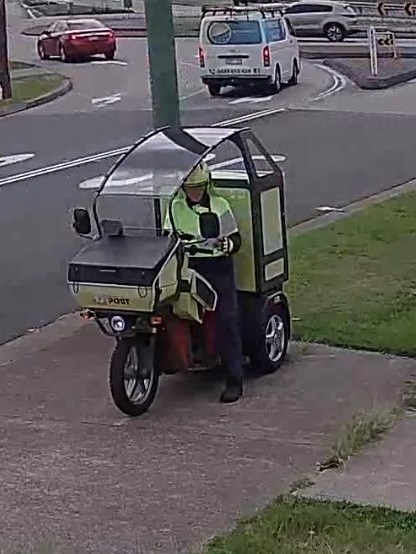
(110, 55)
(41, 52)
(294, 79)
(62, 54)
(214, 89)
(277, 84)
(334, 32)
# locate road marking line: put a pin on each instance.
(338, 84)
(119, 151)
(106, 100)
(109, 62)
(15, 158)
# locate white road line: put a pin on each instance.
(109, 62)
(118, 152)
(15, 158)
(106, 100)
(339, 82)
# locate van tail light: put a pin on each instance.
(266, 56)
(201, 56)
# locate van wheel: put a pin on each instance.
(214, 89)
(277, 85)
(334, 32)
(295, 75)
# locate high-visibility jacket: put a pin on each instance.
(186, 219)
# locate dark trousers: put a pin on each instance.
(220, 274)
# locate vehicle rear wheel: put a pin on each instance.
(41, 52)
(334, 32)
(276, 86)
(214, 89)
(134, 379)
(270, 352)
(294, 79)
(110, 55)
(63, 56)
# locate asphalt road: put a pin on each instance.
(325, 165)
(338, 147)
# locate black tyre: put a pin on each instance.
(134, 379)
(41, 52)
(276, 86)
(294, 79)
(63, 56)
(334, 32)
(110, 55)
(214, 89)
(270, 349)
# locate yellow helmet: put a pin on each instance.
(199, 176)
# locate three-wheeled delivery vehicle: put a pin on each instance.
(133, 276)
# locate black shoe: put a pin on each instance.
(232, 392)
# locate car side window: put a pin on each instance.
(275, 31)
(309, 8)
(59, 27)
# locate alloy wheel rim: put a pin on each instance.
(275, 338)
(136, 384)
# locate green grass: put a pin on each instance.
(296, 526)
(28, 88)
(364, 428)
(15, 66)
(353, 283)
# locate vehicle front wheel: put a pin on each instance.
(334, 32)
(294, 79)
(41, 52)
(214, 89)
(110, 55)
(274, 339)
(134, 380)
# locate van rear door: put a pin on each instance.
(232, 47)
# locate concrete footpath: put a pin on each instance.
(77, 473)
(383, 475)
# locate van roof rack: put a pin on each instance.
(224, 9)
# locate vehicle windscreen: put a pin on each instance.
(139, 189)
(234, 32)
(85, 25)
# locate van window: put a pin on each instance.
(234, 32)
(274, 30)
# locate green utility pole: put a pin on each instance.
(5, 83)
(162, 62)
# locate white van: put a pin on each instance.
(241, 46)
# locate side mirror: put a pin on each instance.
(82, 221)
(209, 225)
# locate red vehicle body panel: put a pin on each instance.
(79, 39)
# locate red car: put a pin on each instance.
(77, 38)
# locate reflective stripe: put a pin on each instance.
(186, 219)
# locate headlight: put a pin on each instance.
(117, 323)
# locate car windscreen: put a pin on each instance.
(85, 25)
(223, 33)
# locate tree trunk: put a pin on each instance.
(5, 82)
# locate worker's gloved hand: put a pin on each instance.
(225, 244)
